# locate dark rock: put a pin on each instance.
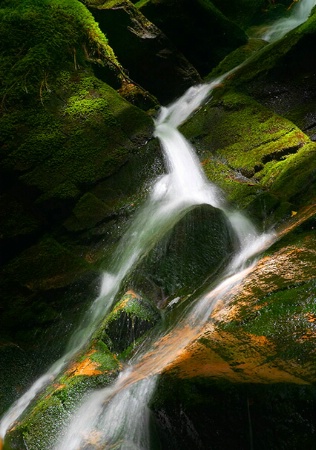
(146, 53)
(198, 29)
(131, 317)
(194, 251)
(249, 12)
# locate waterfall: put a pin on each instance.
(118, 415)
(171, 196)
(300, 13)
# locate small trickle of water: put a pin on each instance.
(301, 12)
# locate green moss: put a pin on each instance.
(42, 424)
(58, 33)
(103, 356)
(131, 317)
(285, 321)
(294, 174)
(83, 139)
(251, 152)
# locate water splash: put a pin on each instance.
(107, 418)
(301, 12)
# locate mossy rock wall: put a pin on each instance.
(46, 418)
(261, 160)
(69, 164)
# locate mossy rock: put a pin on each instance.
(131, 317)
(193, 252)
(31, 61)
(265, 333)
(62, 129)
(45, 419)
(194, 27)
(253, 154)
(286, 86)
(150, 58)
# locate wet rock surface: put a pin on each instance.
(74, 160)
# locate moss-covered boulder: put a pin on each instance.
(152, 60)
(95, 367)
(192, 253)
(261, 160)
(254, 361)
(266, 332)
(198, 29)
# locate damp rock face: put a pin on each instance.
(95, 367)
(150, 58)
(253, 363)
(193, 252)
(130, 319)
(40, 426)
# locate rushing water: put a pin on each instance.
(300, 13)
(171, 196)
(118, 415)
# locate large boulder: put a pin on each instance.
(193, 253)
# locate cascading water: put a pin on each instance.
(169, 199)
(118, 415)
(300, 13)
(172, 195)
(113, 414)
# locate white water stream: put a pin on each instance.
(300, 13)
(118, 414)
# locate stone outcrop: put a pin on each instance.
(151, 59)
(194, 252)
